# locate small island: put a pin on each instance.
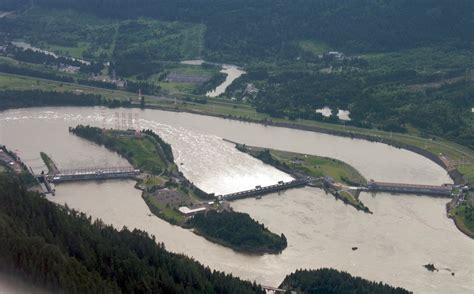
(431, 267)
(237, 230)
(173, 198)
(326, 280)
(339, 178)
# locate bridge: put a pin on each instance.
(93, 173)
(275, 290)
(442, 191)
(258, 190)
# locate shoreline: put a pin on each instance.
(456, 222)
(454, 174)
(327, 186)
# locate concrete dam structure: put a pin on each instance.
(441, 191)
(259, 190)
(94, 173)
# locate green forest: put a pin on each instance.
(239, 231)
(244, 28)
(407, 65)
(331, 281)
(61, 249)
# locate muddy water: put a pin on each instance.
(404, 232)
(233, 73)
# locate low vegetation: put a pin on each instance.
(311, 165)
(304, 165)
(463, 215)
(334, 281)
(50, 165)
(141, 149)
(35, 98)
(238, 231)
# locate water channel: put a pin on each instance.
(404, 232)
(232, 73)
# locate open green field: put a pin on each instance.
(303, 165)
(318, 166)
(163, 211)
(141, 151)
(15, 82)
(314, 47)
(76, 52)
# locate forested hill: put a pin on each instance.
(331, 281)
(61, 249)
(265, 28)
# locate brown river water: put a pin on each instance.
(404, 233)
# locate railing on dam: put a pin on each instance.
(443, 190)
(264, 190)
(93, 173)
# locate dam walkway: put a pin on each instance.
(259, 190)
(93, 173)
(440, 191)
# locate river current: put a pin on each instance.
(404, 233)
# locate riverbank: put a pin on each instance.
(320, 231)
(170, 196)
(446, 154)
(334, 176)
(50, 165)
(462, 214)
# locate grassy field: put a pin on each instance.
(314, 47)
(163, 211)
(76, 52)
(142, 151)
(318, 166)
(52, 168)
(303, 165)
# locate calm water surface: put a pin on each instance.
(404, 232)
(233, 72)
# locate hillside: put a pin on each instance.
(334, 281)
(266, 28)
(61, 249)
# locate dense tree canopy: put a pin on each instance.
(239, 231)
(267, 28)
(59, 248)
(330, 281)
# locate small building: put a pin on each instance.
(186, 211)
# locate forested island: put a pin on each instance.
(166, 191)
(237, 230)
(333, 281)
